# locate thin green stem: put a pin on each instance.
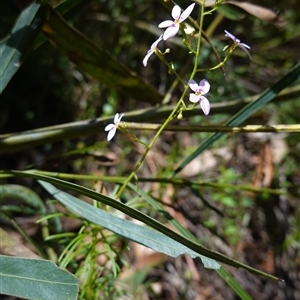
(217, 128)
(175, 181)
(199, 40)
(219, 65)
(175, 110)
(140, 162)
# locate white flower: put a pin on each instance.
(173, 26)
(151, 51)
(243, 46)
(112, 128)
(200, 90)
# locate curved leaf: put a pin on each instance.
(143, 235)
(141, 217)
(36, 279)
(23, 193)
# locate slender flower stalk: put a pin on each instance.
(112, 128)
(173, 26)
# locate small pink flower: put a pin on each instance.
(243, 46)
(151, 51)
(200, 90)
(173, 26)
(112, 128)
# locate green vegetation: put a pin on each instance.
(129, 218)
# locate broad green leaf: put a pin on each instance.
(95, 61)
(245, 113)
(139, 216)
(36, 279)
(16, 46)
(143, 235)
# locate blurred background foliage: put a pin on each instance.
(261, 229)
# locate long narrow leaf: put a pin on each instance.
(143, 218)
(245, 113)
(221, 271)
(226, 276)
(14, 48)
(96, 61)
(143, 235)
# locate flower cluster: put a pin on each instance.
(172, 28)
(201, 89)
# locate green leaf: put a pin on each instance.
(221, 271)
(16, 46)
(139, 216)
(245, 113)
(36, 279)
(68, 9)
(231, 12)
(22, 193)
(95, 61)
(140, 234)
(234, 284)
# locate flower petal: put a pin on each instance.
(204, 86)
(176, 11)
(170, 32)
(165, 24)
(242, 46)
(145, 60)
(117, 122)
(154, 45)
(111, 133)
(228, 34)
(205, 105)
(194, 98)
(116, 118)
(109, 127)
(187, 12)
(193, 85)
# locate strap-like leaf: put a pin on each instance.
(141, 217)
(96, 61)
(141, 234)
(14, 48)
